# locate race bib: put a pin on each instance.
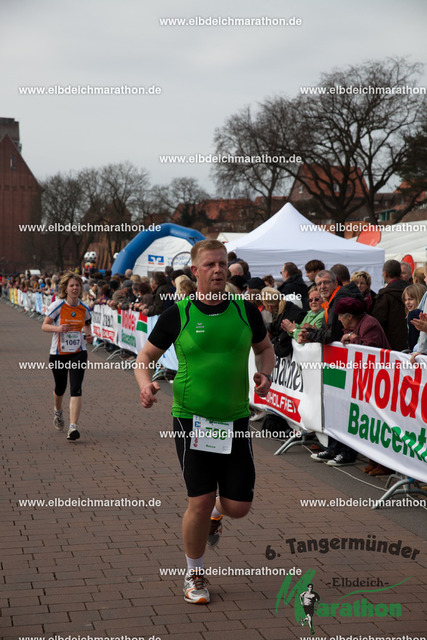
(211, 435)
(71, 341)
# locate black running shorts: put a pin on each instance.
(232, 474)
(75, 365)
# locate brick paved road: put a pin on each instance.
(94, 571)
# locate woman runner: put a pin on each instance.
(68, 319)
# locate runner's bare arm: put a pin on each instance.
(265, 360)
(51, 328)
(146, 357)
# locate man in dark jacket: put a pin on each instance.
(389, 308)
(331, 292)
(336, 454)
(294, 284)
(161, 293)
(343, 275)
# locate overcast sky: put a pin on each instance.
(205, 73)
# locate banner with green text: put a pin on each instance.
(375, 401)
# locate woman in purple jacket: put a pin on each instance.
(359, 327)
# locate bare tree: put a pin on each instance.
(182, 201)
(413, 171)
(351, 135)
(250, 148)
(125, 188)
(95, 205)
(62, 201)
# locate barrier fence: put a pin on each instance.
(31, 301)
(128, 330)
(371, 399)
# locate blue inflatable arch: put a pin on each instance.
(129, 255)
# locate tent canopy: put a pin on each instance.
(154, 250)
(290, 237)
(412, 240)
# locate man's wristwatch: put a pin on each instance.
(267, 375)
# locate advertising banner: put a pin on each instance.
(30, 304)
(96, 320)
(132, 330)
(296, 389)
(375, 401)
(109, 324)
(128, 330)
(160, 253)
(46, 302)
(39, 302)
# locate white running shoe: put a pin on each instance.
(195, 588)
(58, 420)
(259, 415)
(73, 433)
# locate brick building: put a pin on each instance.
(313, 180)
(19, 202)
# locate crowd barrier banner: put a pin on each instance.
(46, 302)
(132, 330)
(109, 324)
(96, 321)
(105, 324)
(31, 301)
(39, 302)
(296, 389)
(128, 330)
(375, 401)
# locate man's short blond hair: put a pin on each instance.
(206, 245)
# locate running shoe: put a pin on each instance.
(259, 415)
(323, 456)
(58, 421)
(73, 433)
(195, 588)
(340, 460)
(214, 532)
(159, 374)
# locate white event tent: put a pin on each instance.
(290, 237)
(412, 240)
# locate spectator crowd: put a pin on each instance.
(330, 305)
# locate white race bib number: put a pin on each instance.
(211, 435)
(71, 341)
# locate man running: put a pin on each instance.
(308, 599)
(212, 333)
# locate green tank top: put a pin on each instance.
(213, 351)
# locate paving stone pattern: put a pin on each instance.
(94, 571)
